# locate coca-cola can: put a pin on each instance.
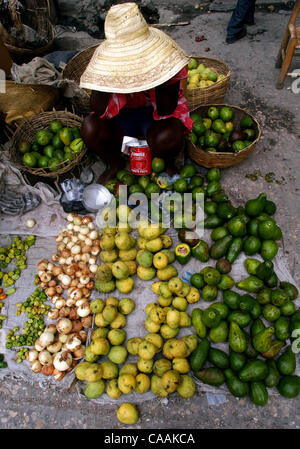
(140, 160)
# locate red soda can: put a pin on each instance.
(140, 160)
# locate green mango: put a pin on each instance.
(241, 318)
(221, 308)
(210, 207)
(257, 327)
(236, 361)
(279, 297)
(211, 222)
(262, 340)
(256, 310)
(198, 324)
(289, 386)
(211, 376)
(272, 281)
(201, 251)
(219, 334)
(218, 358)
(211, 317)
(290, 289)
(66, 136)
(254, 370)
(237, 340)
(199, 355)
(258, 393)
(234, 249)
(247, 303)
(251, 265)
(265, 270)
(231, 299)
(273, 377)
(252, 227)
(211, 276)
(254, 207)
(286, 363)
(275, 348)
(236, 387)
(271, 313)
(219, 197)
(269, 249)
(282, 329)
(264, 296)
(213, 187)
(251, 284)
(220, 247)
(250, 351)
(237, 226)
(288, 309)
(226, 282)
(225, 210)
(251, 245)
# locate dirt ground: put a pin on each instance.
(252, 87)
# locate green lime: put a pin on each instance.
(213, 174)
(48, 151)
(135, 188)
(54, 164)
(209, 293)
(158, 165)
(226, 114)
(43, 161)
(195, 181)
(24, 147)
(195, 117)
(35, 147)
(188, 171)
(201, 141)
(193, 138)
(55, 126)
(68, 155)
(213, 113)
(270, 207)
(120, 174)
(199, 128)
(197, 280)
(195, 191)
(128, 179)
(143, 181)
(229, 126)
(252, 245)
(59, 154)
(212, 76)
(207, 122)
(30, 160)
(180, 185)
(246, 122)
(237, 146)
(250, 133)
(43, 137)
(211, 139)
(218, 126)
(152, 188)
(36, 155)
(76, 132)
(267, 229)
(57, 142)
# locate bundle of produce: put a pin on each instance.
(201, 76)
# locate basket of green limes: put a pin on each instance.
(48, 144)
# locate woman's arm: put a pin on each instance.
(99, 102)
(167, 98)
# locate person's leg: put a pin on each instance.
(165, 139)
(104, 137)
(236, 29)
(249, 19)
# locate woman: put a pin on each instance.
(135, 76)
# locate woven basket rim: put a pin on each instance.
(37, 50)
(44, 117)
(227, 153)
(77, 56)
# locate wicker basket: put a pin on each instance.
(223, 159)
(73, 71)
(27, 131)
(211, 94)
(39, 19)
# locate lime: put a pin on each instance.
(68, 155)
(199, 128)
(48, 151)
(55, 126)
(270, 207)
(188, 171)
(43, 137)
(57, 142)
(247, 143)
(135, 188)
(195, 117)
(76, 132)
(192, 64)
(128, 179)
(226, 114)
(201, 141)
(193, 138)
(219, 126)
(30, 160)
(54, 164)
(238, 145)
(120, 174)
(59, 154)
(36, 155)
(197, 280)
(152, 188)
(195, 191)
(143, 181)
(158, 165)
(35, 147)
(246, 122)
(213, 113)
(211, 139)
(207, 122)
(229, 126)
(196, 181)
(43, 161)
(212, 76)
(250, 133)
(213, 174)
(24, 147)
(267, 229)
(180, 185)
(252, 245)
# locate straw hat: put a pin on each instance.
(134, 57)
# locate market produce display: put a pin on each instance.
(52, 147)
(216, 131)
(201, 76)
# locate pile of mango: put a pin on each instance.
(201, 76)
(216, 132)
(52, 147)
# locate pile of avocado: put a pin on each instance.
(52, 147)
(260, 356)
(216, 133)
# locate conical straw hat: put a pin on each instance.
(134, 57)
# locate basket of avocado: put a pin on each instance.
(207, 82)
(222, 135)
(48, 144)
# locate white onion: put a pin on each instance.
(30, 223)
